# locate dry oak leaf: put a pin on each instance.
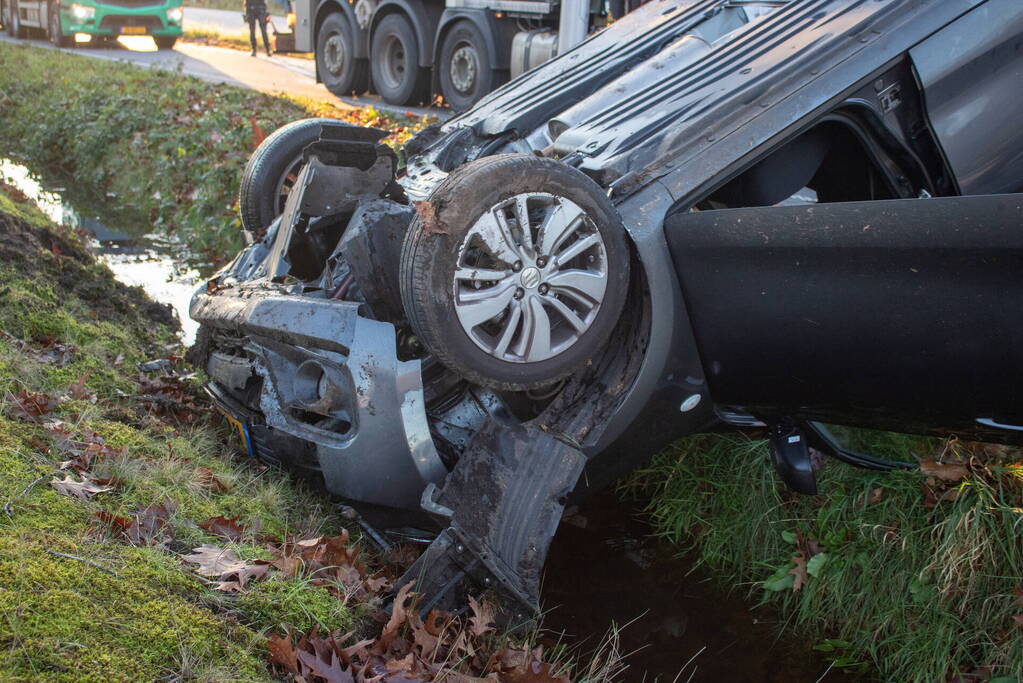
(482, 619)
(87, 488)
(31, 406)
(223, 564)
(224, 527)
(943, 471)
(799, 571)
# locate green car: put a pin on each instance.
(62, 19)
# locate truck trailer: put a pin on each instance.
(410, 50)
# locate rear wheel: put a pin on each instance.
(394, 56)
(520, 273)
(466, 74)
(165, 42)
(57, 36)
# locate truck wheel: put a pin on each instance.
(519, 273)
(466, 74)
(271, 172)
(57, 36)
(165, 42)
(340, 71)
(394, 58)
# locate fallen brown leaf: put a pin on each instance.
(224, 564)
(224, 527)
(87, 488)
(799, 571)
(30, 406)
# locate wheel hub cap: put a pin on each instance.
(334, 55)
(530, 277)
(463, 69)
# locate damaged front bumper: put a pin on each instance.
(328, 381)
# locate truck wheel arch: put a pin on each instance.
(361, 47)
(424, 21)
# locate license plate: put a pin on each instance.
(133, 30)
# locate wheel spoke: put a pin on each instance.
(558, 225)
(539, 338)
(581, 285)
(578, 247)
(480, 274)
(483, 306)
(567, 313)
(495, 235)
(510, 325)
(522, 216)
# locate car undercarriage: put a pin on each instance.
(712, 214)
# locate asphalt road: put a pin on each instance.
(277, 74)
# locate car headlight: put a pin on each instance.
(82, 12)
(175, 14)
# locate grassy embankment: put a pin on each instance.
(918, 574)
(165, 148)
(78, 599)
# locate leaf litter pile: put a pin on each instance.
(408, 646)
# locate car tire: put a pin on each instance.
(341, 72)
(508, 351)
(55, 31)
(466, 74)
(394, 57)
(165, 42)
(270, 171)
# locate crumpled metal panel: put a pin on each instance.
(638, 94)
(385, 454)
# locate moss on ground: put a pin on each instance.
(114, 611)
(917, 578)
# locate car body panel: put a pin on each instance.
(972, 74)
(900, 313)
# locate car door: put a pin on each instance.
(971, 72)
(898, 314)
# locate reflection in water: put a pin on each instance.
(136, 258)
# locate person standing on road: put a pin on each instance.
(255, 10)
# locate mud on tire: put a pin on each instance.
(555, 291)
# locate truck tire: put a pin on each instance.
(466, 74)
(56, 32)
(165, 42)
(394, 59)
(271, 170)
(340, 71)
(506, 310)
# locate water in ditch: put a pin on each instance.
(136, 256)
(675, 624)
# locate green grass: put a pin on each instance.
(233, 5)
(913, 589)
(167, 150)
(114, 611)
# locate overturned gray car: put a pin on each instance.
(768, 215)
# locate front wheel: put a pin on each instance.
(56, 31)
(165, 42)
(517, 276)
(272, 171)
(341, 73)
